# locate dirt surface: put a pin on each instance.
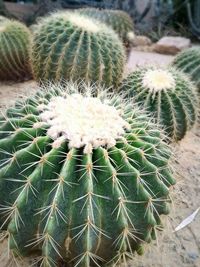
(180, 249)
(139, 58)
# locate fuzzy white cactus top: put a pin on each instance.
(157, 79)
(131, 36)
(84, 121)
(78, 20)
(84, 23)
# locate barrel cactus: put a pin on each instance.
(83, 179)
(188, 61)
(168, 95)
(118, 20)
(71, 47)
(15, 43)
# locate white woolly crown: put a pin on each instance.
(81, 21)
(131, 36)
(158, 79)
(84, 121)
(84, 23)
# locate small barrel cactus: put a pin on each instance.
(118, 20)
(168, 95)
(83, 179)
(68, 46)
(188, 61)
(15, 43)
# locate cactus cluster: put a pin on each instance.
(118, 20)
(89, 167)
(15, 42)
(188, 61)
(92, 173)
(168, 95)
(72, 47)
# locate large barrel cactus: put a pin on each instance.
(188, 61)
(168, 95)
(15, 43)
(118, 20)
(69, 46)
(83, 179)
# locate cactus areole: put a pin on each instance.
(83, 179)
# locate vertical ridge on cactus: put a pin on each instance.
(188, 61)
(118, 20)
(85, 184)
(15, 42)
(168, 95)
(72, 47)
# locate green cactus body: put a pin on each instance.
(188, 61)
(72, 47)
(166, 94)
(118, 20)
(84, 183)
(15, 42)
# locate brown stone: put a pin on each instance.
(141, 40)
(171, 45)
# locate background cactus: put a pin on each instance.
(118, 20)
(168, 95)
(72, 47)
(15, 42)
(82, 179)
(193, 10)
(188, 61)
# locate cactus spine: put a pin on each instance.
(68, 46)
(76, 180)
(168, 95)
(15, 42)
(188, 61)
(118, 20)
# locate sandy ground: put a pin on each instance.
(180, 249)
(138, 58)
